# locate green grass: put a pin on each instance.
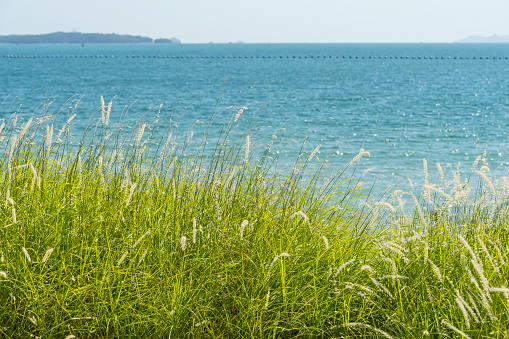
(125, 236)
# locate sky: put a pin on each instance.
(263, 21)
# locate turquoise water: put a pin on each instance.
(401, 102)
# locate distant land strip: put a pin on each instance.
(494, 39)
(81, 38)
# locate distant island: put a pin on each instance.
(167, 41)
(81, 38)
(490, 39)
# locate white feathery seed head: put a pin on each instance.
(474, 305)
(313, 153)
(366, 171)
(466, 306)
(46, 255)
(139, 134)
(267, 299)
(49, 136)
(140, 239)
(361, 325)
(24, 250)
(367, 268)
(195, 229)
(201, 323)
(440, 171)
(500, 256)
(108, 111)
(449, 281)
(14, 142)
(70, 119)
(122, 258)
(33, 320)
(428, 293)
(359, 156)
(239, 113)
(34, 177)
(455, 329)
(103, 110)
(349, 262)
(360, 184)
(243, 225)
(302, 214)
(353, 286)
(476, 161)
(439, 191)
(183, 242)
(414, 237)
(142, 257)
(488, 181)
(467, 246)
(230, 177)
(504, 291)
(326, 242)
(24, 129)
(381, 287)
(394, 277)
(393, 247)
(484, 300)
(65, 127)
(490, 258)
(386, 205)
(274, 261)
(484, 281)
(499, 289)
(131, 192)
(436, 269)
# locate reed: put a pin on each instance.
(123, 234)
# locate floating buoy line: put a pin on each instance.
(252, 57)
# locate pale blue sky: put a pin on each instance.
(198, 21)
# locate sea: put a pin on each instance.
(402, 103)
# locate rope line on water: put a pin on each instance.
(10, 56)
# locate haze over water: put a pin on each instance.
(446, 110)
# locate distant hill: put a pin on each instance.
(489, 39)
(167, 41)
(77, 38)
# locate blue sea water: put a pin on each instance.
(401, 102)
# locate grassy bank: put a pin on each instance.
(122, 235)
